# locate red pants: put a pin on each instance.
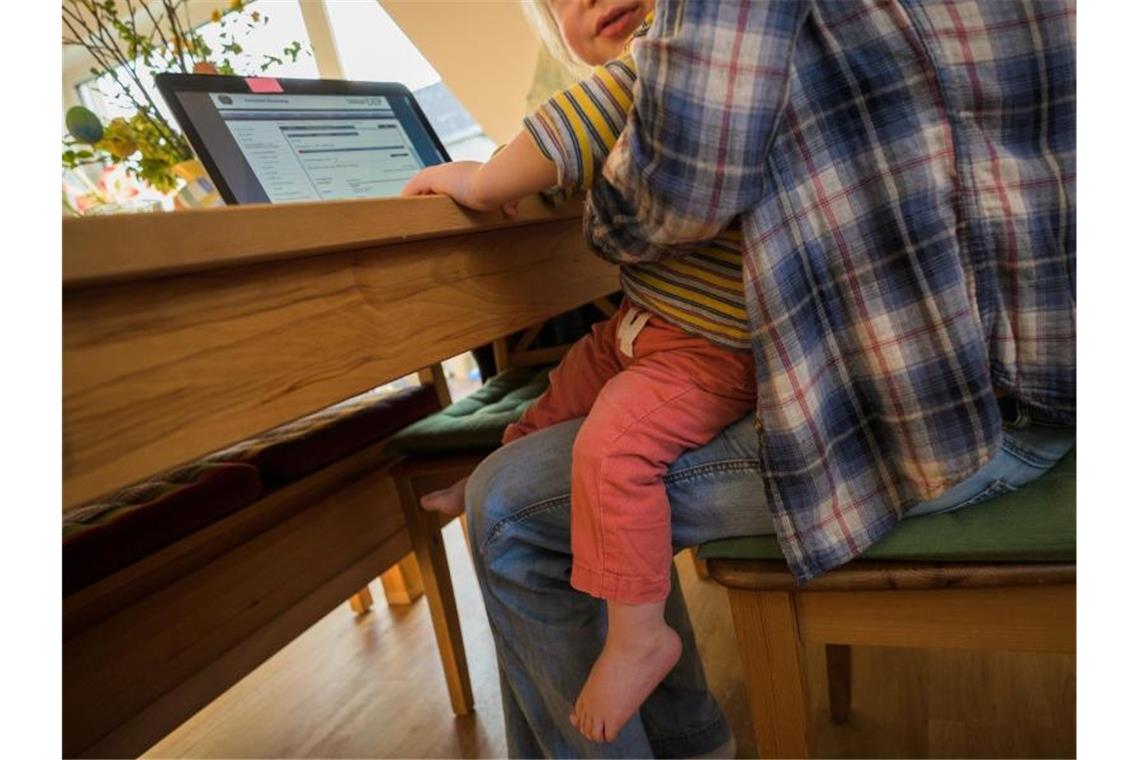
(677, 392)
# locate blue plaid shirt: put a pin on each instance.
(905, 176)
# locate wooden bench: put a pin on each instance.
(149, 566)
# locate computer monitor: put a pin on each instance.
(286, 140)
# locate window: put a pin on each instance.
(373, 48)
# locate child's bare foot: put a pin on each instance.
(639, 652)
(449, 501)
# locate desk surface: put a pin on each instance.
(133, 246)
(184, 333)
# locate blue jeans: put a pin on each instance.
(547, 635)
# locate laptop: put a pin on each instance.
(266, 140)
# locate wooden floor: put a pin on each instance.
(372, 687)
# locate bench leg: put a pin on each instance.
(839, 681)
(402, 582)
(770, 650)
(423, 527)
(361, 601)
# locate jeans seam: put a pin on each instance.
(993, 490)
(1027, 455)
(727, 465)
(523, 514)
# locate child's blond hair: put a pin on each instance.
(542, 20)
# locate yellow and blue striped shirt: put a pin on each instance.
(701, 291)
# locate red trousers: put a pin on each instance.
(676, 392)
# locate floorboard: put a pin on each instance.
(371, 686)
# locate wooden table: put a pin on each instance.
(183, 333)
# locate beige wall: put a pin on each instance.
(484, 50)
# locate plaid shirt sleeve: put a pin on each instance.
(691, 159)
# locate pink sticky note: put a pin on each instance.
(263, 84)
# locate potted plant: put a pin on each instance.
(131, 41)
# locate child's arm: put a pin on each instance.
(569, 138)
(518, 170)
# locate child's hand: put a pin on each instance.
(458, 180)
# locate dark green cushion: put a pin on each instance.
(1037, 523)
(475, 423)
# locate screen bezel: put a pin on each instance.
(170, 84)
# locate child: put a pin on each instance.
(664, 375)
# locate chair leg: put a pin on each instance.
(402, 582)
(361, 601)
(466, 534)
(423, 527)
(839, 681)
(770, 650)
(699, 565)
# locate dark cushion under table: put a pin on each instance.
(122, 528)
(291, 451)
(113, 532)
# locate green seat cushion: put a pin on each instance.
(476, 423)
(1037, 523)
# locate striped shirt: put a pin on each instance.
(905, 176)
(700, 292)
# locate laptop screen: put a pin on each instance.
(285, 147)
